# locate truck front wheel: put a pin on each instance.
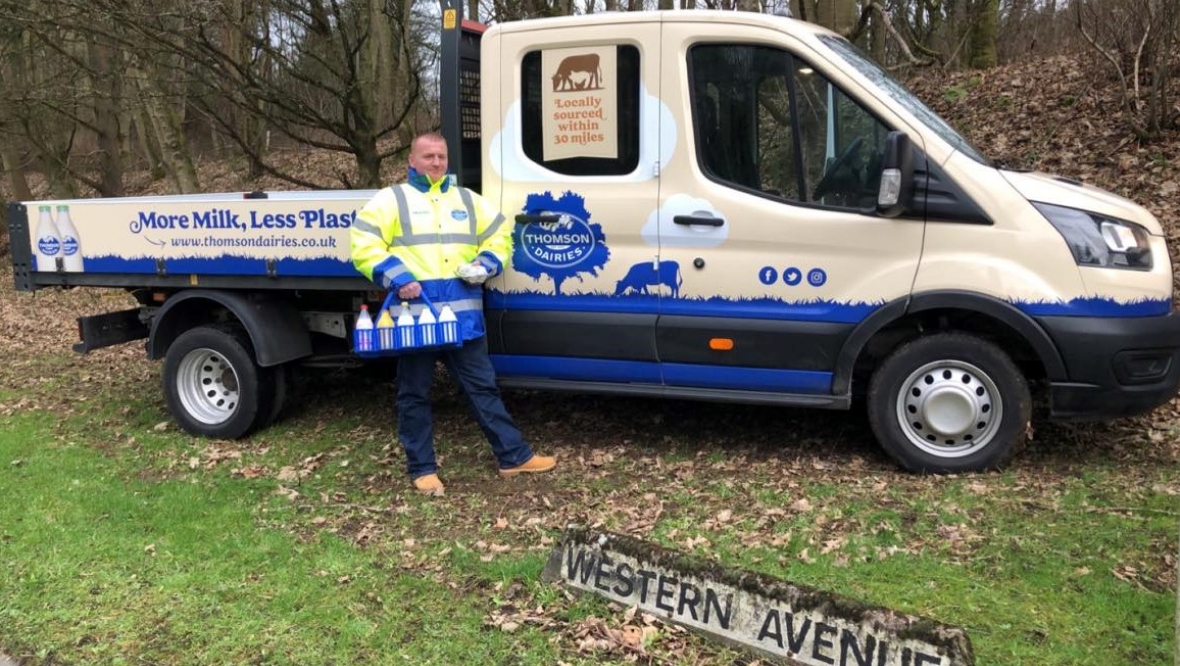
(949, 402)
(213, 386)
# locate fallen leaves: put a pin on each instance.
(801, 505)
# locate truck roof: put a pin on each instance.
(781, 23)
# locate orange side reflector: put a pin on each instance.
(720, 344)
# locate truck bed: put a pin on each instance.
(256, 240)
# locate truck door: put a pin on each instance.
(576, 162)
(769, 225)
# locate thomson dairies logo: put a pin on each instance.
(560, 244)
(49, 245)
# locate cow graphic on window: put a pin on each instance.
(578, 72)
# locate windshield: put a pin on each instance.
(899, 94)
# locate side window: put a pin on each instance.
(626, 80)
(768, 122)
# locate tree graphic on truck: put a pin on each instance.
(570, 247)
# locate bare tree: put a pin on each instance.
(338, 76)
(76, 84)
(1138, 40)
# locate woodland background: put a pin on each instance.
(117, 97)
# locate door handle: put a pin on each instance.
(698, 220)
(525, 218)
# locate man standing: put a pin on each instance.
(429, 235)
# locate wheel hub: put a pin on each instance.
(949, 408)
(950, 411)
(207, 386)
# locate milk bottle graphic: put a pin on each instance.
(71, 250)
(48, 241)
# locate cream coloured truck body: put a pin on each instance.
(728, 280)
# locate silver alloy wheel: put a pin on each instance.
(207, 386)
(949, 408)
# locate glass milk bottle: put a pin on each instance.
(71, 250)
(48, 241)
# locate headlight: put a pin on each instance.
(1097, 240)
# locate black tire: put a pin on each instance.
(949, 402)
(282, 383)
(213, 386)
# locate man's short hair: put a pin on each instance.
(433, 136)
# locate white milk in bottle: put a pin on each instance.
(48, 241)
(71, 249)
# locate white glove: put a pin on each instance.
(472, 273)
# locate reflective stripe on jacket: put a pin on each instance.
(418, 232)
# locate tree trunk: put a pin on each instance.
(804, 10)
(9, 156)
(368, 164)
(984, 31)
(17, 179)
(104, 72)
(380, 61)
(877, 35)
(166, 128)
(837, 15)
(147, 142)
(241, 22)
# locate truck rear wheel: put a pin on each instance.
(213, 386)
(949, 402)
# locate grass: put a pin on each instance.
(125, 541)
(103, 568)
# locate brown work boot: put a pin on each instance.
(429, 484)
(530, 466)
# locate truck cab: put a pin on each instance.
(736, 206)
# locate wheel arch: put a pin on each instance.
(904, 319)
(276, 330)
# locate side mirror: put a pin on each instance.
(897, 176)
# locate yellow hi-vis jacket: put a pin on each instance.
(422, 231)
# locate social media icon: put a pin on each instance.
(792, 276)
(816, 277)
(767, 275)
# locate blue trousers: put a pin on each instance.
(470, 366)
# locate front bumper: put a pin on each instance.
(1116, 366)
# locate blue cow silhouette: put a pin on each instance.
(645, 275)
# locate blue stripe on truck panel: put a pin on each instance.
(781, 310)
(1096, 307)
(673, 374)
(577, 369)
(748, 379)
(716, 306)
(223, 265)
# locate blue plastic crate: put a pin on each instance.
(375, 342)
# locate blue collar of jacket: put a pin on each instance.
(421, 182)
